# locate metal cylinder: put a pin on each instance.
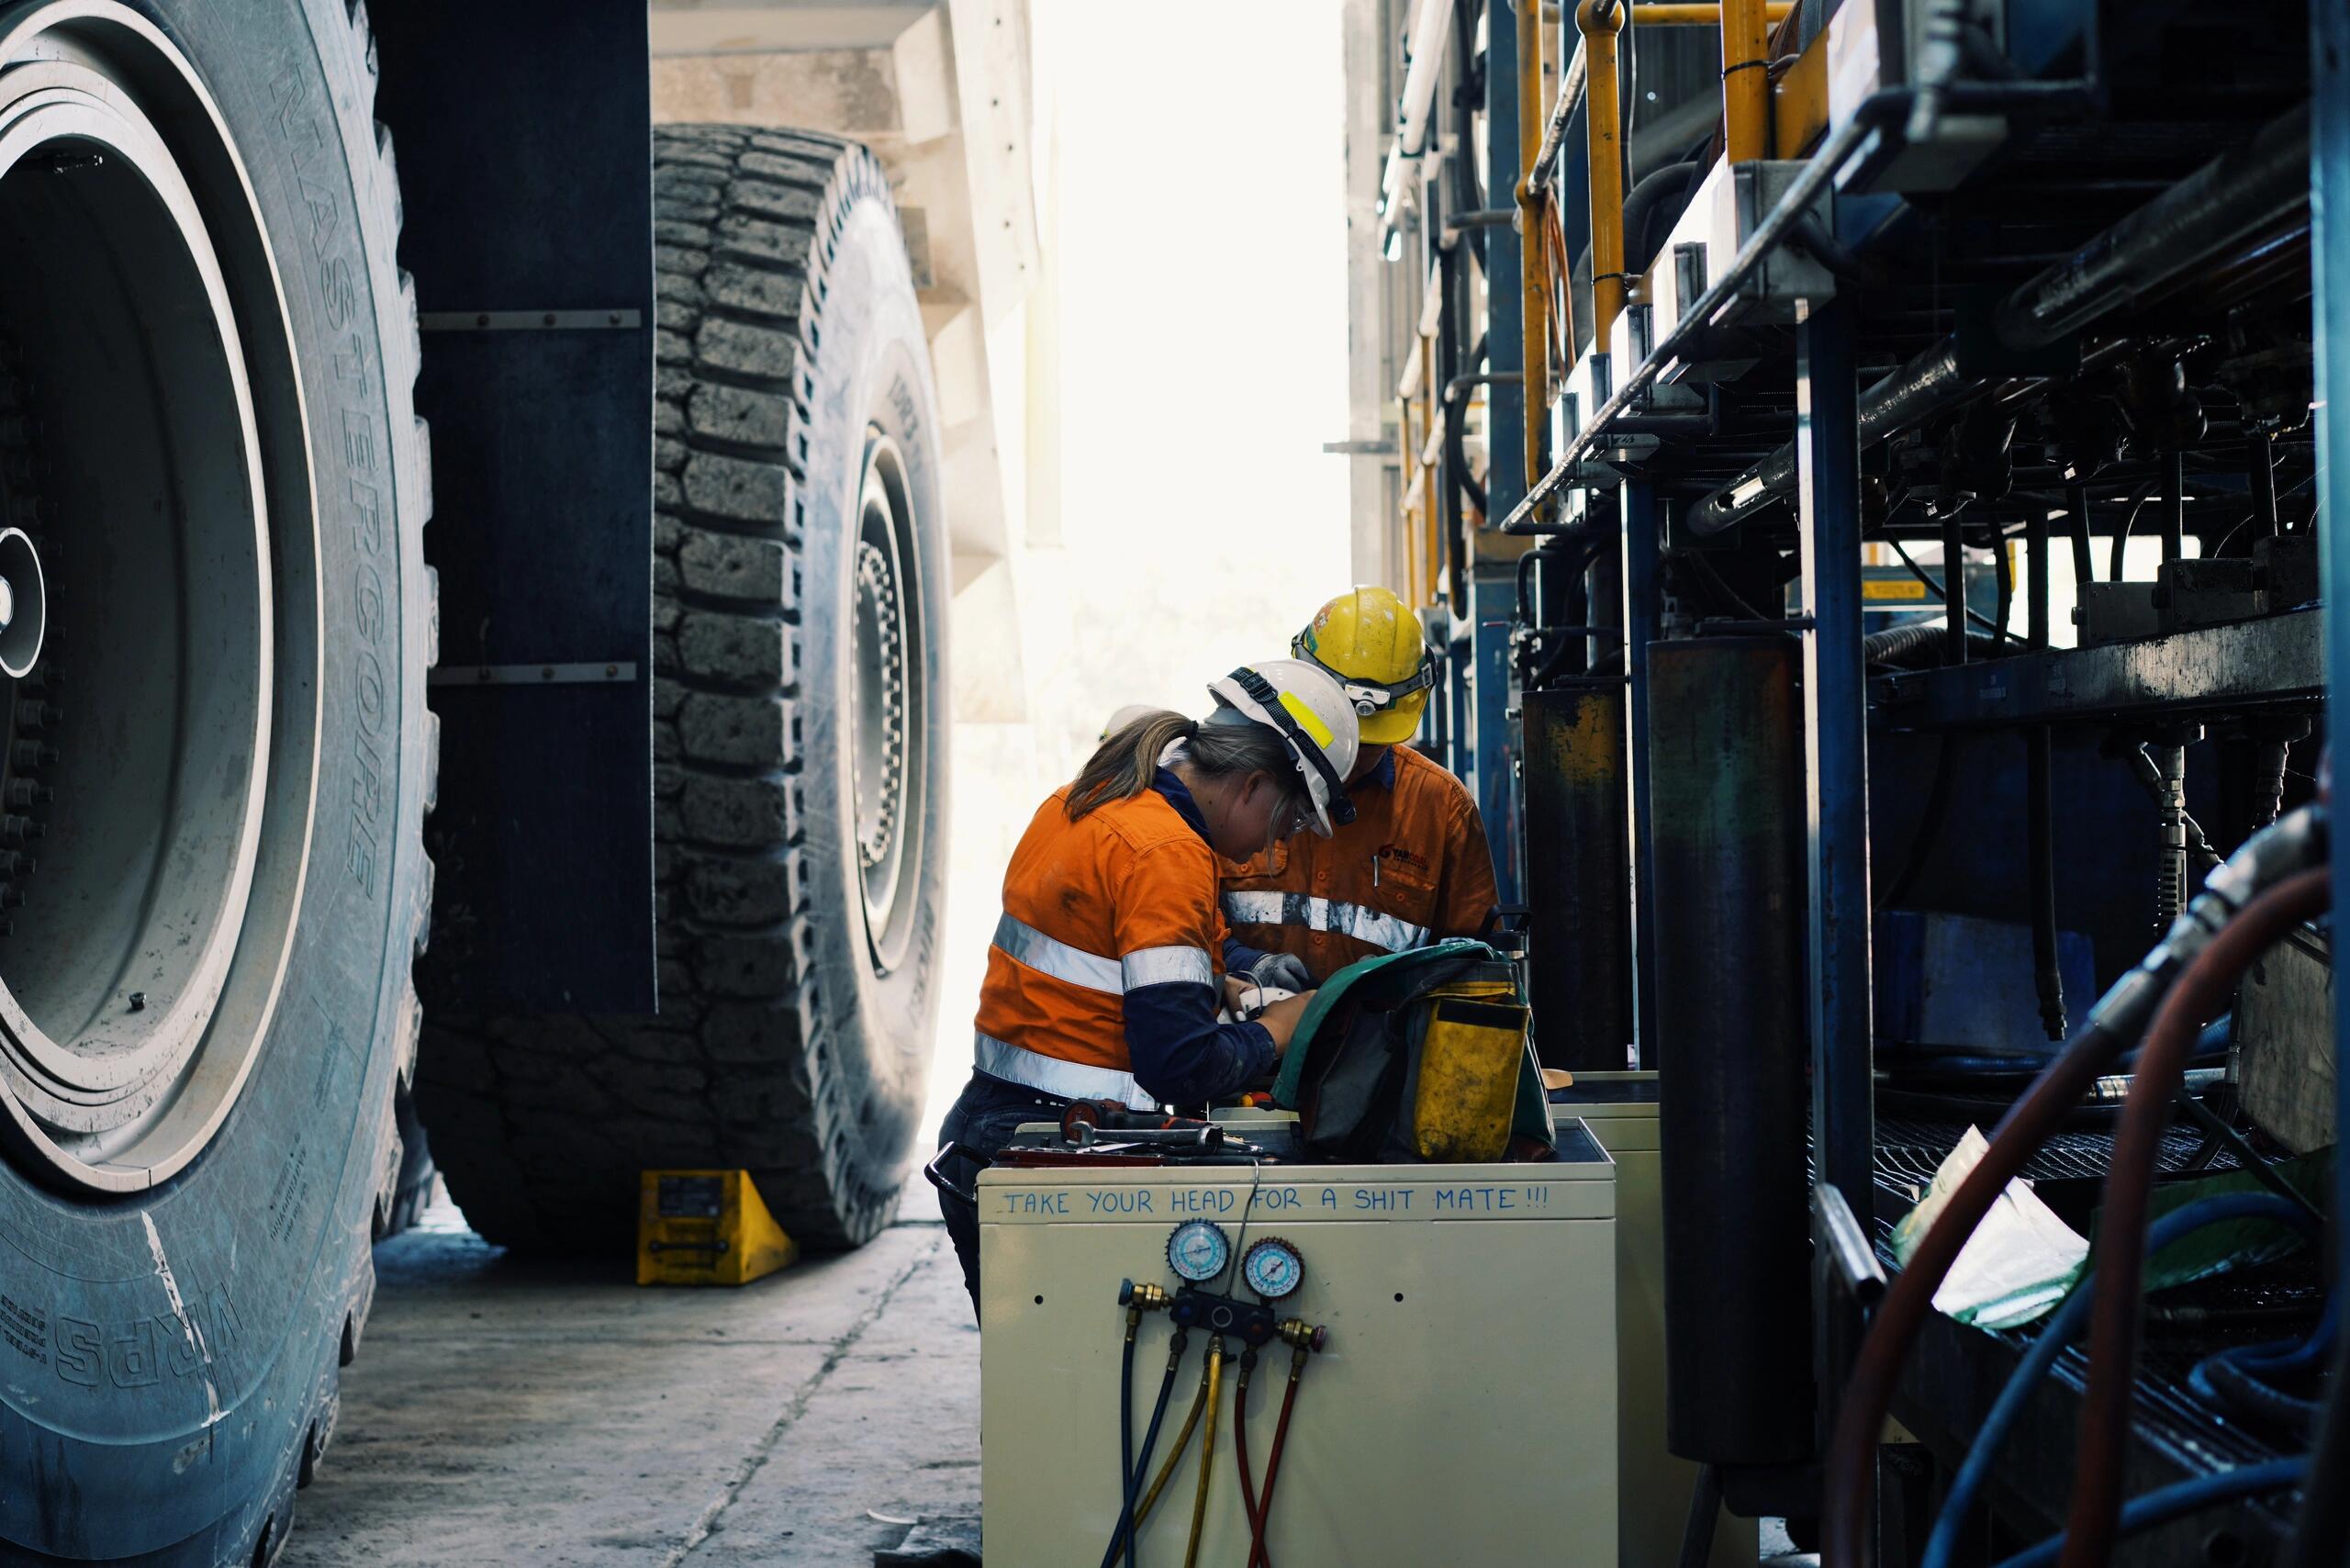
(1725, 752)
(1579, 946)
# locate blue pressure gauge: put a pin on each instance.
(1199, 1249)
(1272, 1267)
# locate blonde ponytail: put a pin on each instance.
(1123, 765)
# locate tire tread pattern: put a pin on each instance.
(404, 360)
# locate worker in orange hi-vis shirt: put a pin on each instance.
(1105, 979)
(1414, 867)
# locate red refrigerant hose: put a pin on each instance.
(2201, 992)
(1258, 1557)
(1240, 1456)
(2268, 858)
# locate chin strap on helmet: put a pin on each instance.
(1308, 753)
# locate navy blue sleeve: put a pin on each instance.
(1239, 957)
(1181, 1055)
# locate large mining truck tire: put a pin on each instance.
(801, 582)
(217, 765)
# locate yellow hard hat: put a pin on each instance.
(1373, 645)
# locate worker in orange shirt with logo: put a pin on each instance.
(1106, 980)
(1414, 867)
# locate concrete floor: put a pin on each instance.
(502, 1411)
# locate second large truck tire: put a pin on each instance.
(800, 583)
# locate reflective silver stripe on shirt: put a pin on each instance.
(1069, 1080)
(1382, 931)
(1167, 965)
(1058, 958)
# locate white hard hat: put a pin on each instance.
(1311, 712)
(1127, 715)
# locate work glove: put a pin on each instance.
(1286, 971)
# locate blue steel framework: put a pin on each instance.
(1493, 752)
(2330, 356)
(1643, 521)
(1836, 765)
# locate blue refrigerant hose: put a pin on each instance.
(1122, 1538)
(1126, 1448)
(2186, 1497)
(2063, 1328)
(2240, 1376)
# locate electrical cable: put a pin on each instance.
(2113, 1025)
(1207, 1454)
(2083, 560)
(2186, 1497)
(1934, 585)
(2120, 544)
(2003, 568)
(2062, 1327)
(2202, 990)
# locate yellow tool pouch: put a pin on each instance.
(1471, 1052)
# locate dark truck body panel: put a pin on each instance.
(523, 136)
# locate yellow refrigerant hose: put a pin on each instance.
(1182, 1439)
(1207, 1453)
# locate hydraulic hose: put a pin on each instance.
(2186, 1497)
(2112, 1028)
(2201, 993)
(2061, 1329)
(1207, 1454)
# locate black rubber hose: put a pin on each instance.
(1548, 668)
(2175, 505)
(1456, 458)
(2120, 545)
(1935, 587)
(1811, 237)
(2083, 560)
(1655, 189)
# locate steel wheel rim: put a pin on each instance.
(141, 967)
(886, 718)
